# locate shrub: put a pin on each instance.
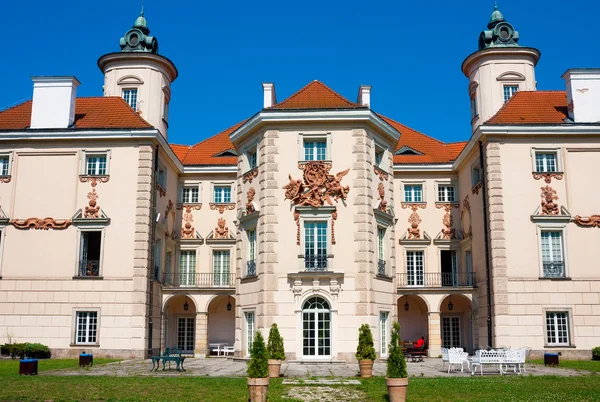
(275, 344)
(37, 350)
(365, 349)
(596, 353)
(258, 366)
(396, 363)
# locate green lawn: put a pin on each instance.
(11, 367)
(590, 365)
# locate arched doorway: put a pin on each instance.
(456, 314)
(180, 323)
(413, 318)
(316, 328)
(221, 322)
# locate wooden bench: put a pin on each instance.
(169, 355)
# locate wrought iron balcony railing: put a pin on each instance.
(89, 268)
(381, 267)
(199, 280)
(315, 263)
(554, 269)
(251, 268)
(437, 279)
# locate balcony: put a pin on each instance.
(437, 280)
(251, 268)
(315, 263)
(554, 269)
(199, 280)
(89, 268)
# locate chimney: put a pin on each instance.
(364, 95)
(269, 94)
(53, 102)
(583, 94)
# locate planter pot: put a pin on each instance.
(366, 368)
(258, 387)
(397, 389)
(274, 368)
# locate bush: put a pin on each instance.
(596, 353)
(365, 349)
(275, 344)
(22, 350)
(396, 363)
(258, 366)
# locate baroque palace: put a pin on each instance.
(316, 213)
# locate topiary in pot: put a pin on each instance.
(397, 377)
(365, 351)
(258, 370)
(275, 351)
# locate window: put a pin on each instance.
(413, 193)
(474, 111)
(414, 268)
(383, 328)
(475, 175)
(315, 246)
(190, 195)
(509, 91)
(469, 263)
(557, 328)
(89, 255)
(249, 330)
(381, 251)
(252, 159)
(221, 261)
(187, 268)
(449, 268)
(162, 177)
(378, 157)
(316, 328)
(166, 110)
(446, 193)
(553, 264)
(95, 165)
(87, 328)
(315, 150)
(251, 265)
(222, 194)
(158, 259)
(168, 262)
(545, 162)
(130, 96)
(4, 160)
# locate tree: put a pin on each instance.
(365, 349)
(275, 344)
(258, 366)
(396, 363)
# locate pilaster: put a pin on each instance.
(201, 335)
(434, 339)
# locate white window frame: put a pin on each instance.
(162, 168)
(415, 250)
(553, 227)
(414, 183)
(556, 151)
(445, 184)
(476, 166)
(191, 187)
(75, 326)
(474, 106)
(213, 188)
(79, 256)
(314, 137)
(8, 156)
(251, 149)
(321, 215)
(87, 153)
(382, 149)
(249, 330)
(137, 97)
(512, 90)
(223, 281)
(191, 270)
(569, 315)
(384, 333)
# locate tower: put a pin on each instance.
(498, 69)
(140, 75)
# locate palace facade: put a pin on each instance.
(316, 213)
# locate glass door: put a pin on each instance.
(451, 332)
(185, 334)
(316, 329)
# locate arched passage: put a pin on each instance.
(179, 320)
(413, 318)
(221, 322)
(456, 316)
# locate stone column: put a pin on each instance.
(434, 325)
(201, 335)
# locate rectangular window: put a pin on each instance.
(449, 267)
(414, 268)
(95, 165)
(89, 255)
(158, 259)
(221, 262)
(4, 165)
(446, 194)
(557, 328)
(168, 270)
(166, 110)
(475, 175)
(315, 246)
(378, 157)
(509, 91)
(469, 262)
(190, 195)
(130, 96)
(413, 193)
(251, 265)
(249, 330)
(474, 111)
(381, 251)
(162, 177)
(383, 327)
(552, 254)
(252, 159)
(87, 328)
(222, 194)
(545, 162)
(315, 150)
(187, 268)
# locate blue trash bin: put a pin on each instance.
(86, 359)
(28, 366)
(550, 359)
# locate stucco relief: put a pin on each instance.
(448, 232)
(92, 210)
(465, 218)
(94, 180)
(414, 233)
(221, 231)
(41, 224)
(188, 231)
(549, 206)
(588, 221)
(548, 176)
(382, 174)
(297, 219)
(250, 204)
(161, 191)
(170, 217)
(333, 219)
(5, 179)
(318, 186)
(189, 207)
(250, 175)
(222, 207)
(382, 202)
(475, 190)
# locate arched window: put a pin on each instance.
(316, 328)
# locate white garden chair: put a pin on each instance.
(457, 356)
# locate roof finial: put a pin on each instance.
(495, 5)
(142, 14)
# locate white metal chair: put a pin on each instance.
(444, 357)
(456, 356)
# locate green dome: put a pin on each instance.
(496, 16)
(140, 22)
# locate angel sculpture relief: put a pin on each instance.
(318, 186)
(294, 189)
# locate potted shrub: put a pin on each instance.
(258, 370)
(276, 351)
(596, 353)
(365, 351)
(396, 377)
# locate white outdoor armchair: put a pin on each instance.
(457, 356)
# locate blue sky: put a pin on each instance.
(410, 52)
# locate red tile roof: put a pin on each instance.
(90, 113)
(207, 152)
(316, 95)
(533, 107)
